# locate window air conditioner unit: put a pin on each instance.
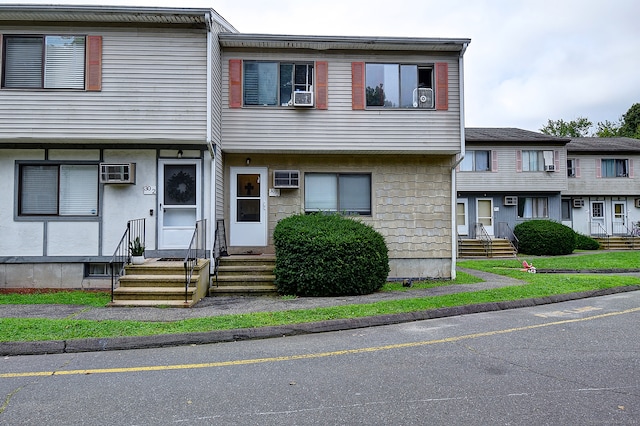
(118, 173)
(637, 203)
(286, 179)
(510, 200)
(423, 98)
(303, 98)
(578, 202)
(550, 168)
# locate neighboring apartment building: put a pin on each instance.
(200, 122)
(361, 125)
(83, 88)
(509, 176)
(603, 192)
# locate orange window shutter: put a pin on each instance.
(442, 86)
(93, 72)
(357, 85)
(518, 161)
(494, 161)
(322, 76)
(235, 83)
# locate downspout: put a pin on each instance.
(211, 148)
(454, 197)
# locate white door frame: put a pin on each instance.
(619, 220)
(595, 230)
(464, 228)
(176, 223)
(248, 233)
(487, 221)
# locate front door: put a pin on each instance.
(462, 216)
(597, 218)
(248, 221)
(178, 202)
(484, 214)
(619, 218)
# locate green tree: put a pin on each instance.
(631, 122)
(607, 129)
(575, 128)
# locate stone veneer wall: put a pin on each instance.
(411, 197)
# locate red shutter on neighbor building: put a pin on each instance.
(494, 161)
(235, 83)
(556, 156)
(518, 161)
(357, 85)
(598, 168)
(93, 72)
(577, 165)
(322, 77)
(630, 167)
(442, 86)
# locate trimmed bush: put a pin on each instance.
(328, 255)
(584, 242)
(544, 238)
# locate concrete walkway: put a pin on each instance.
(216, 306)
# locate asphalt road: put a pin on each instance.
(572, 363)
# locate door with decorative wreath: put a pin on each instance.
(179, 202)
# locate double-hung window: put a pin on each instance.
(58, 190)
(399, 86)
(614, 167)
(533, 207)
(572, 167)
(532, 161)
(476, 161)
(337, 192)
(44, 62)
(273, 83)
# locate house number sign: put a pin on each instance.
(149, 190)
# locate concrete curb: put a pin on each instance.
(164, 340)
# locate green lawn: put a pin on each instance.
(538, 285)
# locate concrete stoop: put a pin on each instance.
(500, 247)
(245, 275)
(158, 283)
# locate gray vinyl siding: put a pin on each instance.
(153, 87)
(590, 185)
(506, 178)
(339, 128)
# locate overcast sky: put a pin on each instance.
(529, 60)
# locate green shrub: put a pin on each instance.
(544, 237)
(584, 242)
(328, 255)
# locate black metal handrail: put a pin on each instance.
(122, 254)
(197, 250)
(485, 238)
(219, 246)
(505, 231)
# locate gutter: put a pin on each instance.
(212, 184)
(454, 197)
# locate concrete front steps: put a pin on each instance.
(500, 247)
(619, 243)
(161, 283)
(245, 275)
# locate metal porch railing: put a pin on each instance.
(122, 254)
(219, 246)
(483, 235)
(197, 250)
(505, 231)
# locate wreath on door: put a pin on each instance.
(180, 187)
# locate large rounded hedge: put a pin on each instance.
(544, 237)
(328, 255)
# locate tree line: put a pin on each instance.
(628, 126)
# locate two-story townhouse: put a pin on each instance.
(603, 194)
(364, 126)
(106, 114)
(508, 176)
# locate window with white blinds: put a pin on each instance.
(50, 62)
(58, 190)
(344, 193)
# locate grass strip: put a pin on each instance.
(32, 329)
(87, 298)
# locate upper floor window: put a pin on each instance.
(476, 161)
(537, 161)
(614, 167)
(58, 190)
(44, 62)
(344, 193)
(273, 83)
(399, 86)
(572, 167)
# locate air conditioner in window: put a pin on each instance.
(303, 98)
(510, 200)
(118, 173)
(286, 179)
(550, 168)
(423, 97)
(578, 202)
